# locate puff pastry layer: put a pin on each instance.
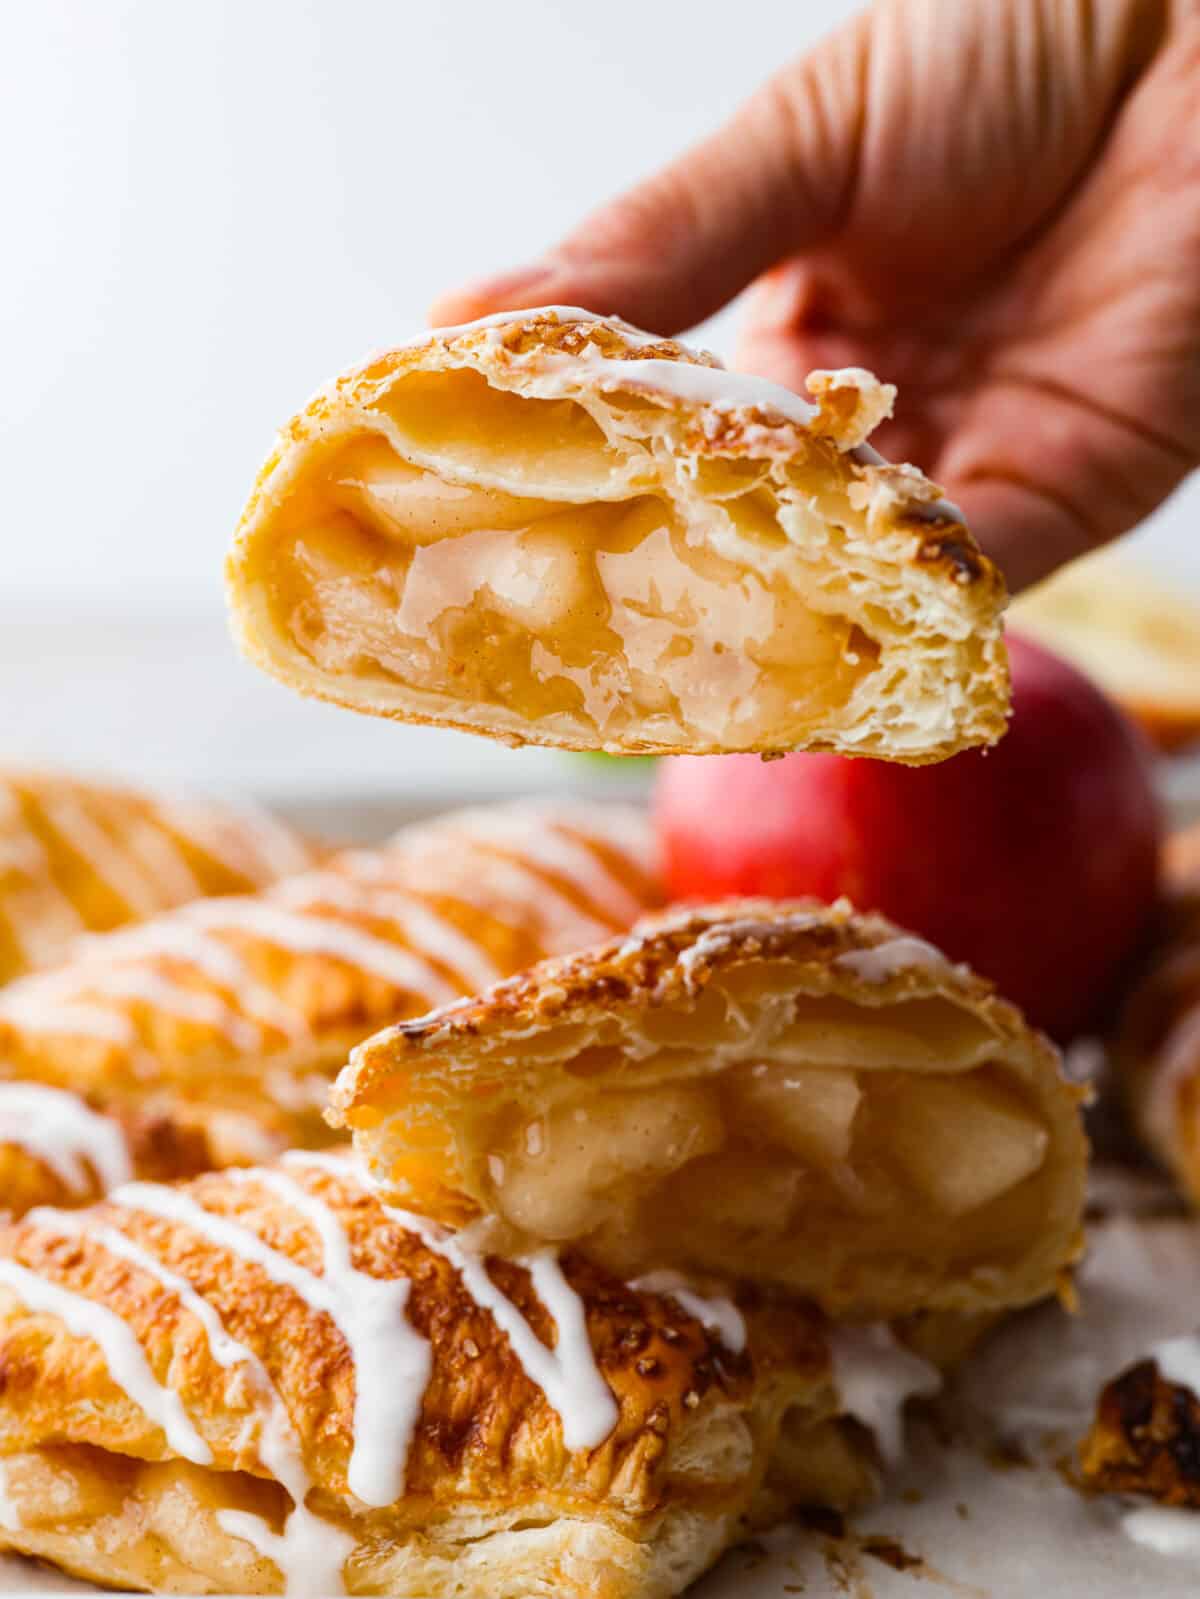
(79, 857)
(552, 528)
(800, 1095)
(208, 1036)
(264, 1378)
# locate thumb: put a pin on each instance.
(674, 249)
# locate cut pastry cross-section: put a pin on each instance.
(79, 857)
(552, 528)
(798, 1095)
(265, 1380)
(211, 1033)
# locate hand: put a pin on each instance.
(994, 204)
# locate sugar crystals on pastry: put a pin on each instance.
(207, 1036)
(799, 1095)
(79, 857)
(552, 528)
(267, 1380)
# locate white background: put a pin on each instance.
(209, 206)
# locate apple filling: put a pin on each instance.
(761, 1165)
(496, 551)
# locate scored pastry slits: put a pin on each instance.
(801, 1095)
(552, 528)
(267, 1380)
(79, 857)
(208, 1035)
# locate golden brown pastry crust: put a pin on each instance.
(96, 1487)
(83, 857)
(894, 614)
(456, 1110)
(224, 1022)
(1145, 1439)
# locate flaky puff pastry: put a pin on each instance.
(552, 528)
(208, 1036)
(801, 1095)
(264, 1379)
(1156, 1048)
(79, 857)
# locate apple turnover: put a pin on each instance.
(79, 857)
(208, 1036)
(796, 1095)
(1156, 1046)
(267, 1380)
(552, 528)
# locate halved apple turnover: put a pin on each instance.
(267, 1380)
(208, 1036)
(552, 528)
(798, 1096)
(79, 857)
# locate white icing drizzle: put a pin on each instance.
(716, 1313)
(875, 1377)
(162, 861)
(885, 960)
(1178, 1362)
(70, 819)
(26, 1004)
(391, 1361)
(501, 319)
(510, 883)
(122, 1352)
(713, 386)
(310, 934)
(244, 837)
(1167, 1531)
(310, 1552)
(537, 841)
(40, 916)
(430, 933)
(57, 1002)
(65, 1134)
(718, 937)
(177, 939)
(567, 1374)
(624, 828)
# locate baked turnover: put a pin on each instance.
(79, 857)
(208, 1036)
(799, 1096)
(266, 1380)
(1157, 1044)
(552, 528)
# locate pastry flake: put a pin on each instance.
(800, 1095)
(552, 528)
(82, 857)
(208, 1036)
(266, 1380)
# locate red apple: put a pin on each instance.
(1035, 861)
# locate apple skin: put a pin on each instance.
(1036, 861)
